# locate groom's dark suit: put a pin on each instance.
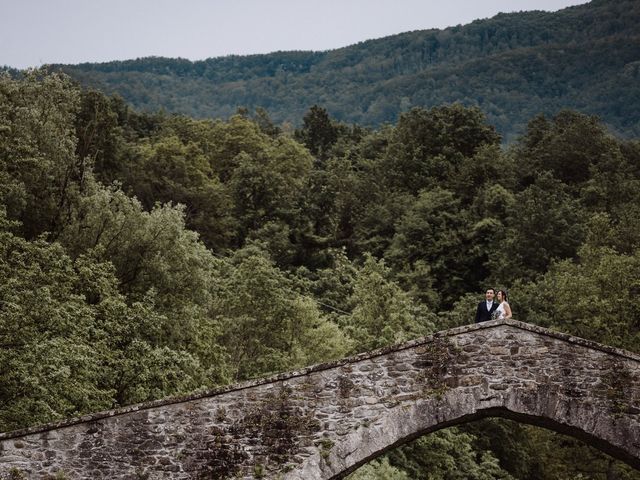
(482, 314)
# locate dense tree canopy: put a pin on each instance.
(513, 66)
(148, 255)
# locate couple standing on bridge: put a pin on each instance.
(493, 310)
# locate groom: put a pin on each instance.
(486, 308)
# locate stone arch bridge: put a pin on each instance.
(325, 421)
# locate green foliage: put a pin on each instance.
(100, 133)
(70, 339)
(287, 329)
(545, 223)
(567, 458)
(318, 133)
(40, 176)
(150, 250)
(155, 258)
(519, 448)
(45, 334)
(427, 238)
(143, 255)
(461, 313)
(427, 145)
(266, 186)
(169, 170)
(383, 314)
(447, 454)
(513, 66)
(378, 470)
(593, 298)
(573, 148)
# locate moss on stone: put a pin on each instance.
(616, 387)
(16, 474)
(325, 445)
(434, 364)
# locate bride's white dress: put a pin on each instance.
(500, 310)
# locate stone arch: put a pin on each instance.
(526, 374)
(325, 421)
(601, 444)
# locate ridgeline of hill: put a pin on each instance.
(512, 66)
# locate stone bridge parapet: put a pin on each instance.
(325, 421)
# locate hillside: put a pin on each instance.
(512, 66)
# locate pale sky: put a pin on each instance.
(36, 32)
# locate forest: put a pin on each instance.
(512, 66)
(146, 255)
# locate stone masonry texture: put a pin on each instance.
(325, 421)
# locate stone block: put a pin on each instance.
(317, 423)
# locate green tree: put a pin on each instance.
(490, 166)
(168, 170)
(332, 285)
(382, 313)
(100, 134)
(619, 230)
(531, 453)
(72, 342)
(569, 146)
(335, 197)
(263, 120)
(45, 335)
(428, 146)
(40, 175)
(544, 223)
(227, 140)
(378, 469)
(268, 325)
(318, 132)
(504, 65)
(154, 256)
(430, 246)
(268, 186)
(447, 455)
(593, 297)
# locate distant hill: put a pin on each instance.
(513, 66)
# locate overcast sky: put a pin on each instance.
(35, 32)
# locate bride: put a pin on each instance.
(504, 310)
